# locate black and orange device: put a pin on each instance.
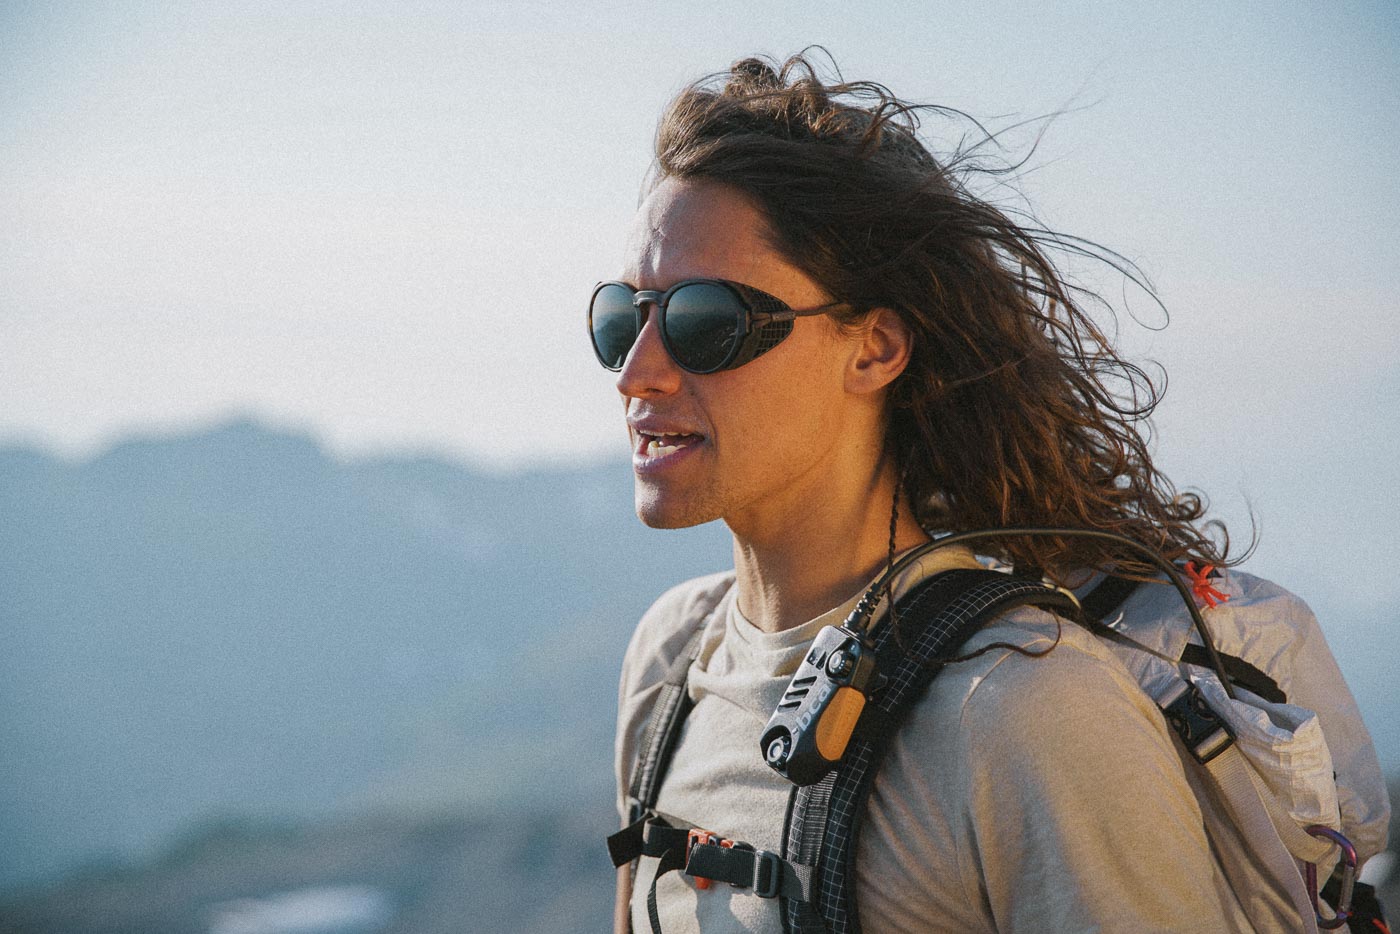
(809, 731)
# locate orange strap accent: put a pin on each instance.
(1200, 585)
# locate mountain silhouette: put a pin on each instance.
(233, 621)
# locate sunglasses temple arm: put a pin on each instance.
(760, 318)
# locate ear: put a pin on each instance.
(882, 352)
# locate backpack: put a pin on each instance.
(1254, 758)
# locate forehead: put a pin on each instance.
(687, 229)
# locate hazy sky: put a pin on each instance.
(381, 221)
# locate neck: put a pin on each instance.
(792, 571)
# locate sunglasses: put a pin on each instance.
(706, 325)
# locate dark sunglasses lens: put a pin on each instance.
(702, 325)
(612, 320)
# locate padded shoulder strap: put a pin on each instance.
(663, 727)
(935, 619)
(657, 745)
(654, 755)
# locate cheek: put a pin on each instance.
(790, 413)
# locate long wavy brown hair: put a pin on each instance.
(1014, 409)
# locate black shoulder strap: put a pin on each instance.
(657, 745)
(664, 727)
(935, 619)
(1107, 597)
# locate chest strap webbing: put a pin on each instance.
(824, 818)
(710, 859)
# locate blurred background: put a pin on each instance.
(317, 556)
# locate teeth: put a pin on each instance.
(656, 449)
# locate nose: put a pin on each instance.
(648, 370)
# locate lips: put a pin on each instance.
(657, 444)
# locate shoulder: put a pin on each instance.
(691, 598)
(1042, 680)
(1050, 780)
(665, 627)
(1037, 710)
(659, 638)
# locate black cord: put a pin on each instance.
(889, 561)
(859, 619)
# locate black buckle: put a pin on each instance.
(767, 887)
(1204, 734)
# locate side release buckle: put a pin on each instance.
(1204, 734)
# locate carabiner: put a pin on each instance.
(1343, 909)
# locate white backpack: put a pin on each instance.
(1298, 763)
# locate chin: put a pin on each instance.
(659, 511)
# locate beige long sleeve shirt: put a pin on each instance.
(1023, 794)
